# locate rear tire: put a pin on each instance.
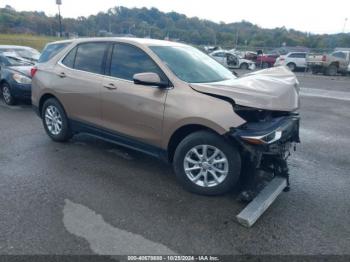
(55, 121)
(206, 164)
(292, 67)
(314, 71)
(7, 95)
(332, 70)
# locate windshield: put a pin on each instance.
(31, 53)
(191, 65)
(16, 61)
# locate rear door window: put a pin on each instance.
(90, 57)
(297, 55)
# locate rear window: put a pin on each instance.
(50, 51)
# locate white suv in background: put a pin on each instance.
(293, 60)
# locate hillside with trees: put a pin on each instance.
(143, 22)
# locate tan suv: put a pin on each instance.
(171, 101)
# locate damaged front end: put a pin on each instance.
(267, 100)
(266, 140)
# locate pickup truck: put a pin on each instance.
(329, 64)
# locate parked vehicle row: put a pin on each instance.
(337, 62)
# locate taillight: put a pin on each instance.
(324, 58)
(282, 59)
(33, 71)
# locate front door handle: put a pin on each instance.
(110, 86)
(61, 75)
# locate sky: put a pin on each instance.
(313, 16)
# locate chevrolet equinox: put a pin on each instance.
(171, 101)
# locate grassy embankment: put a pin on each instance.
(37, 42)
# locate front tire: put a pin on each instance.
(206, 164)
(7, 95)
(244, 66)
(265, 65)
(55, 121)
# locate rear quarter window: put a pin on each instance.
(50, 51)
(70, 58)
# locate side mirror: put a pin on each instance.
(149, 79)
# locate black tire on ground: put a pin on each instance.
(211, 139)
(292, 66)
(65, 132)
(244, 66)
(6, 94)
(314, 71)
(265, 65)
(332, 70)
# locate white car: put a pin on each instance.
(293, 60)
(232, 60)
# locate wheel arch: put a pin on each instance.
(4, 81)
(244, 64)
(44, 98)
(335, 63)
(181, 133)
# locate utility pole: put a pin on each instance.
(346, 19)
(59, 3)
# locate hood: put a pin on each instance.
(270, 89)
(22, 69)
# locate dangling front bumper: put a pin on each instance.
(270, 137)
(265, 147)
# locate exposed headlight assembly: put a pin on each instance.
(21, 79)
(264, 139)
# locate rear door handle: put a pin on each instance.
(61, 75)
(110, 86)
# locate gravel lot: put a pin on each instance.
(91, 197)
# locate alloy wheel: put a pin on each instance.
(53, 120)
(206, 166)
(6, 94)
